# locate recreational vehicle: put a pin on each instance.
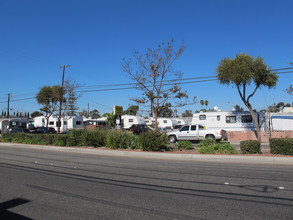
(7, 123)
(67, 122)
(228, 120)
(167, 123)
(129, 120)
(96, 122)
(281, 121)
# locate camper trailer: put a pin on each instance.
(7, 123)
(99, 122)
(281, 121)
(129, 120)
(228, 120)
(167, 123)
(67, 122)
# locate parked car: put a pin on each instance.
(44, 130)
(196, 133)
(138, 128)
(18, 130)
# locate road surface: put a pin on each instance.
(40, 184)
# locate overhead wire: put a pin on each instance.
(134, 85)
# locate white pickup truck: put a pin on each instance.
(196, 132)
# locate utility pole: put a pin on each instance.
(88, 109)
(61, 97)
(9, 96)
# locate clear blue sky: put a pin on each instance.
(37, 37)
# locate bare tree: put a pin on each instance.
(65, 97)
(154, 75)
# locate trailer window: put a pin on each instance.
(64, 122)
(202, 117)
(130, 120)
(165, 121)
(218, 117)
(230, 119)
(51, 123)
(78, 122)
(246, 119)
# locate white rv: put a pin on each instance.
(281, 121)
(67, 122)
(96, 122)
(150, 121)
(167, 123)
(228, 120)
(180, 121)
(129, 120)
(6, 123)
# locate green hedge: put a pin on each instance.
(152, 141)
(146, 141)
(250, 147)
(119, 140)
(282, 146)
(185, 145)
(210, 146)
(216, 148)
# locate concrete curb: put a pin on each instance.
(243, 159)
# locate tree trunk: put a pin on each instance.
(156, 120)
(254, 117)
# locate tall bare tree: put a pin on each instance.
(154, 75)
(65, 96)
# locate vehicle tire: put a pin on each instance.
(210, 136)
(172, 138)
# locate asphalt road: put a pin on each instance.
(40, 184)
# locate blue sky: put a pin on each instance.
(92, 36)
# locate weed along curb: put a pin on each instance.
(218, 158)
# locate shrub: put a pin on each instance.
(94, 138)
(60, 140)
(187, 145)
(75, 137)
(282, 146)
(119, 140)
(250, 147)
(206, 142)
(216, 148)
(152, 141)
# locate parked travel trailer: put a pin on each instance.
(97, 122)
(7, 123)
(229, 120)
(150, 121)
(180, 121)
(281, 121)
(167, 123)
(128, 120)
(67, 122)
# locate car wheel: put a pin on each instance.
(210, 136)
(172, 139)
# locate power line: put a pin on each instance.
(166, 83)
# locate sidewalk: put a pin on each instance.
(243, 159)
